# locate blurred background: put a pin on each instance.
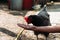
(14, 11)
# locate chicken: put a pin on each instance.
(41, 19)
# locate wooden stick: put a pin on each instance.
(19, 35)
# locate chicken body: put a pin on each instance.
(41, 19)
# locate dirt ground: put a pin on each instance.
(8, 23)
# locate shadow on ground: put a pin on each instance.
(8, 32)
(18, 13)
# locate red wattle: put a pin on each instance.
(26, 18)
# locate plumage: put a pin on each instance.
(41, 19)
